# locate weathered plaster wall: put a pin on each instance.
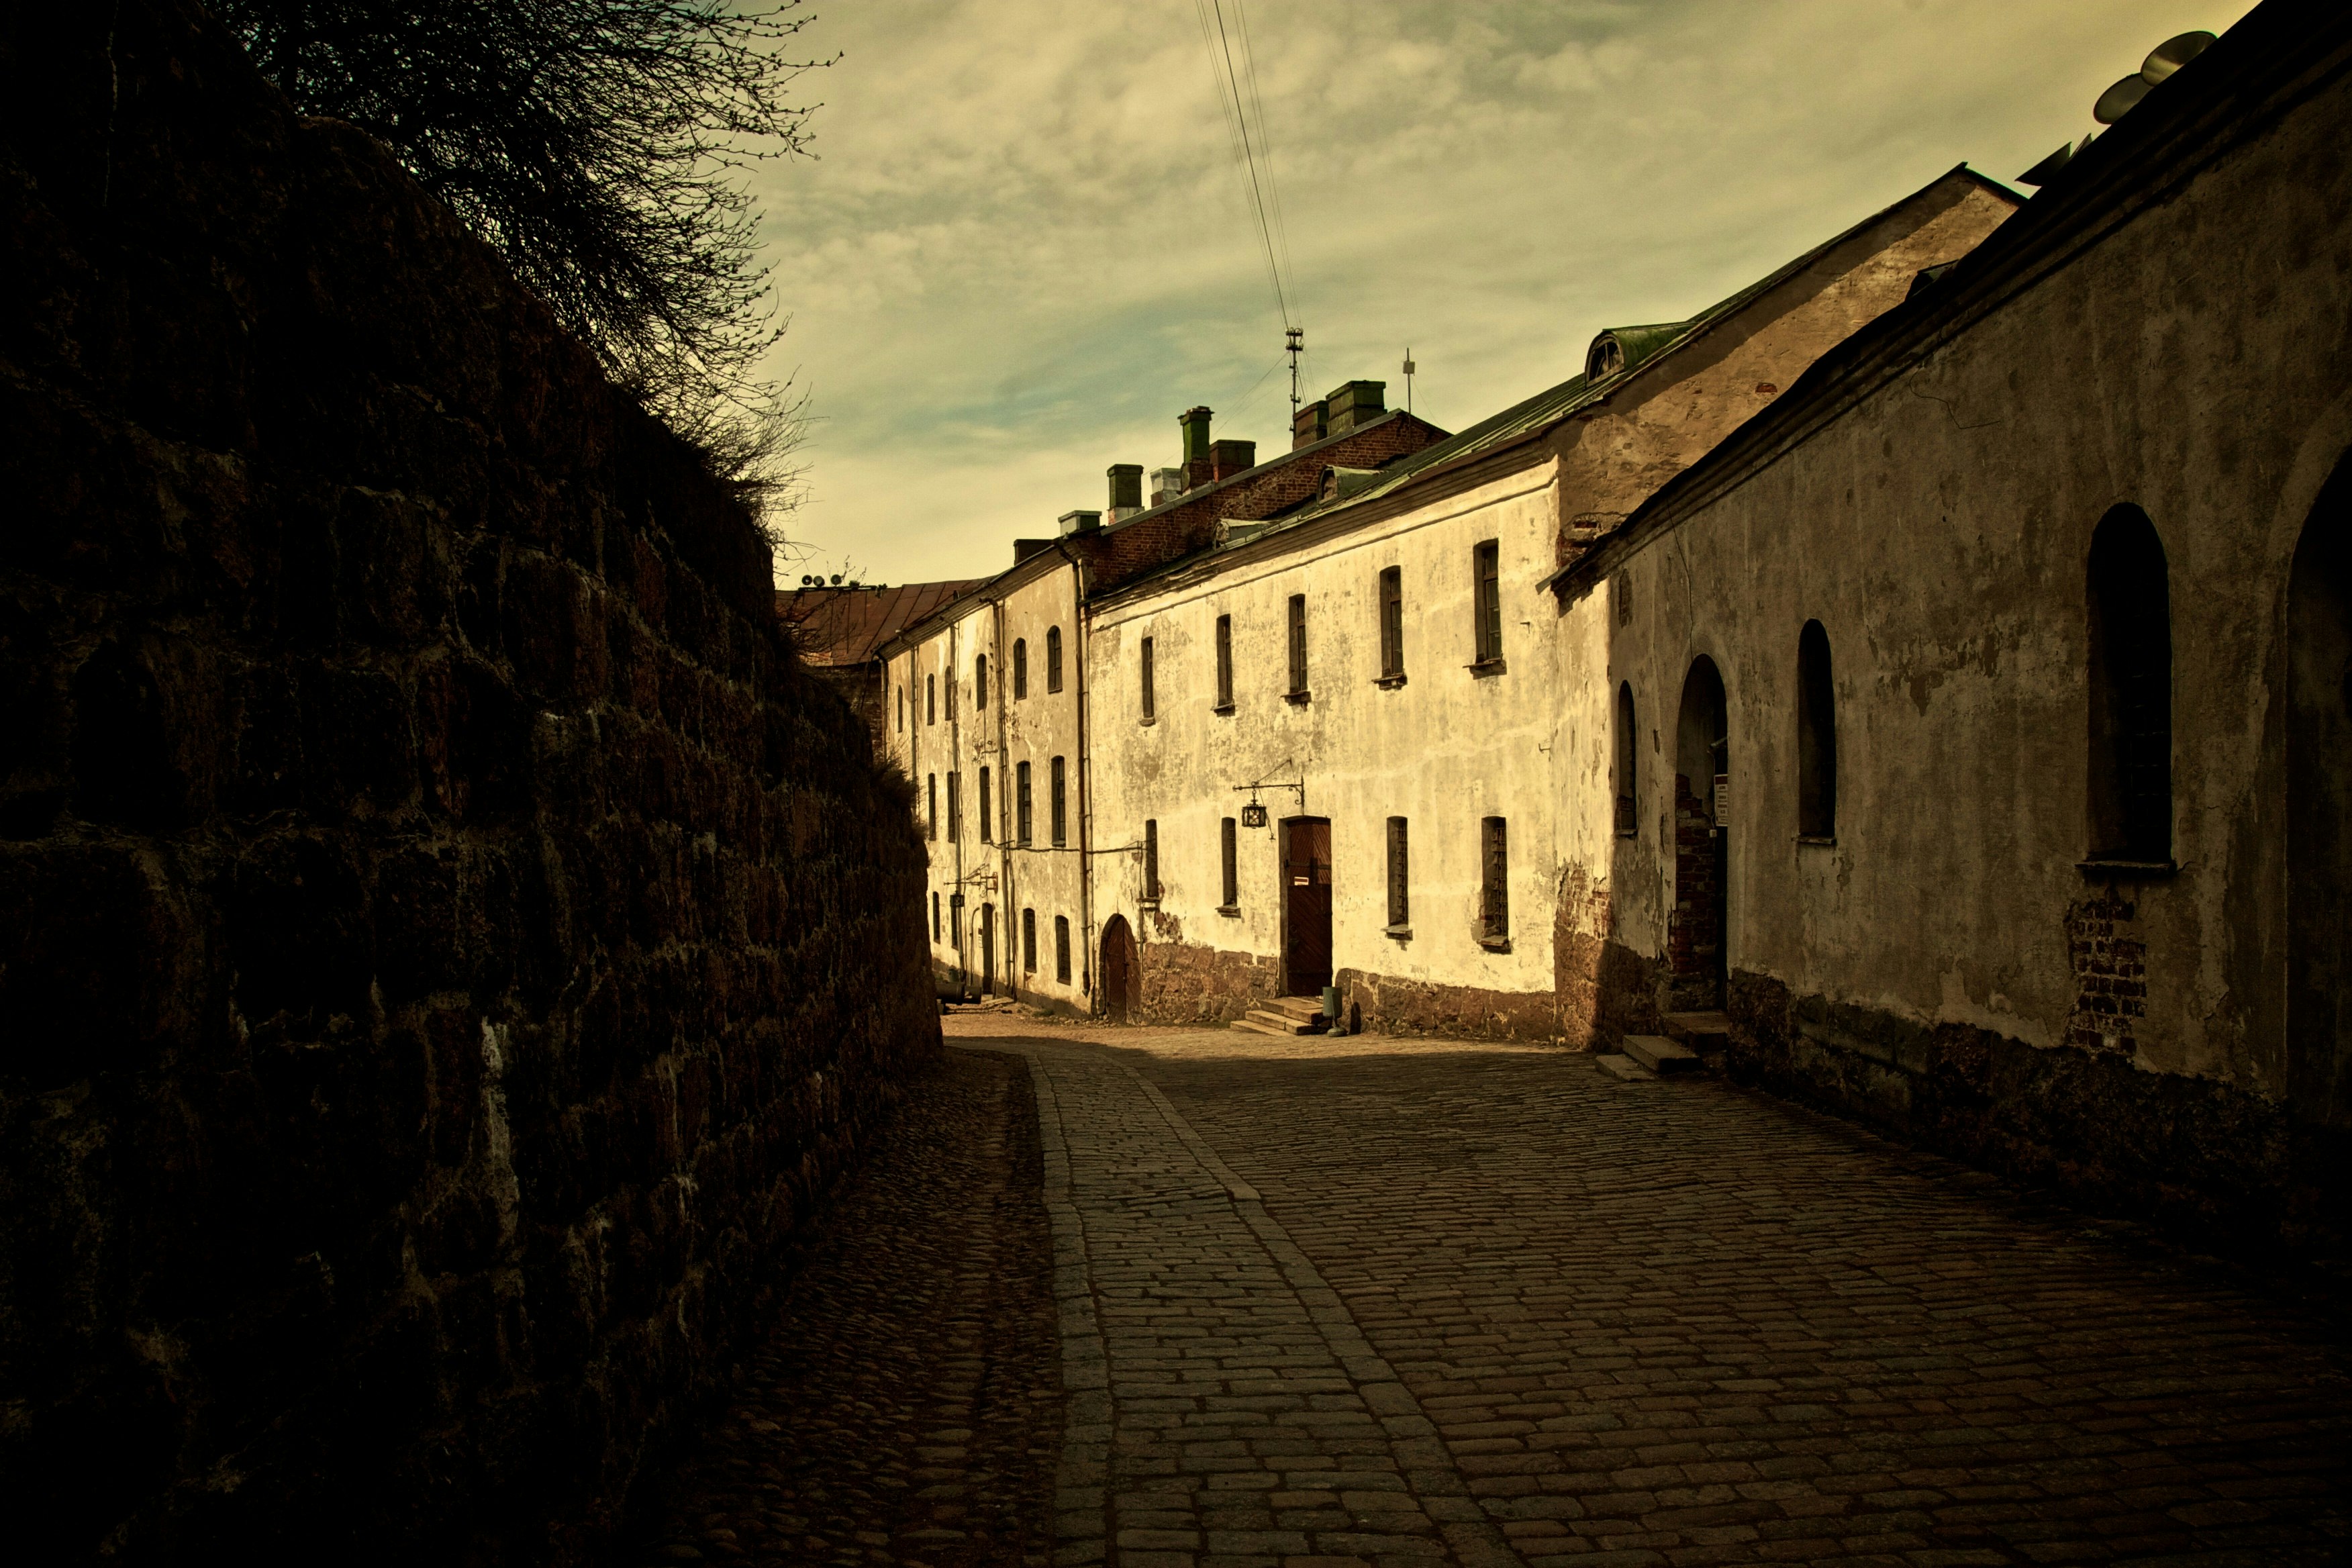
(447, 948)
(1444, 750)
(1939, 966)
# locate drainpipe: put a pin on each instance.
(1004, 900)
(957, 903)
(1086, 772)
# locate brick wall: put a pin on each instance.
(447, 947)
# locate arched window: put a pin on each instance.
(980, 681)
(1020, 668)
(2130, 605)
(1052, 658)
(1629, 805)
(1816, 736)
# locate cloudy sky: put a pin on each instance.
(1024, 246)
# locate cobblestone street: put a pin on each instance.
(1409, 1302)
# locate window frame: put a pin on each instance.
(987, 823)
(1400, 853)
(1494, 882)
(979, 682)
(1817, 759)
(1058, 772)
(1053, 660)
(1025, 812)
(1062, 948)
(955, 806)
(932, 806)
(930, 698)
(1628, 764)
(1487, 601)
(1149, 703)
(1294, 642)
(1225, 634)
(1229, 860)
(1151, 860)
(1020, 668)
(1391, 626)
(1029, 942)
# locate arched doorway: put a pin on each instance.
(2319, 810)
(1121, 975)
(1696, 931)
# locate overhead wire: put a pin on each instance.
(1240, 104)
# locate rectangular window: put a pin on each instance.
(1229, 853)
(1495, 881)
(902, 709)
(1486, 563)
(1020, 668)
(1298, 643)
(1400, 900)
(1393, 622)
(1021, 820)
(1052, 658)
(1151, 862)
(1148, 714)
(1061, 804)
(1062, 948)
(930, 700)
(934, 917)
(955, 806)
(980, 681)
(931, 805)
(955, 922)
(987, 823)
(950, 696)
(1224, 661)
(1028, 941)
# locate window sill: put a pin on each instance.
(1389, 682)
(1816, 840)
(1401, 934)
(1230, 909)
(2129, 870)
(1496, 943)
(1147, 905)
(1487, 666)
(1227, 709)
(1147, 723)
(1295, 699)
(1629, 832)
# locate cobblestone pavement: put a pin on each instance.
(1411, 1302)
(909, 1407)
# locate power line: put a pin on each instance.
(1240, 104)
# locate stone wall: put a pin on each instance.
(447, 946)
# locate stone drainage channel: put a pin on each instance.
(1487, 1305)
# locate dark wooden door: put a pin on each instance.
(1120, 980)
(1305, 905)
(988, 949)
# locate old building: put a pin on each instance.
(838, 630)
(1381, 672)
(990, 711)
(1971, 724)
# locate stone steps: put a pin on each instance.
(1625, 1069)
(1284, 1015)
(1662, 1056)
(1705, 1033)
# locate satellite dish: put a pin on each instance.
(2172, 54)
(2119, 99)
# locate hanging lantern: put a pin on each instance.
(1254, 815)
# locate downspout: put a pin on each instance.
(957, 903)
(1086, 772)
(1005, 895)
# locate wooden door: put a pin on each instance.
(1305, 905)
(1119, 976)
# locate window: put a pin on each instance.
(951, 691)
(1151, 862)
(1493, 881)
(1029, 942)
(902, 709)
(1020, 668)
(934, 917)
(1061, 804)
(1053, 664)
(955, 806)
(980, 681)
(1021, 802)
(1225, 663)
(1816, 736)
(955, 922)
(930, 700)
(1298, 644)
(1148, 714)
(1062, 948)
(1628, 759)
(1400, 900)
(987, 823)
(2131, 691)
(931, 805)
(1487, 569)
(1393, 622)
(1229, 850)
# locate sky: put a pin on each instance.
(1024, 245)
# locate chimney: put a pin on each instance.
(1356, 402)
(1166, 484)
(1080, 523)
(1194, 422)
(1227, 458)
(1307, 425)
(1024, 548)
(1126, 491)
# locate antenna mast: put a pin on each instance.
(1293, 344)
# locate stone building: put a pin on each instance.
(838, 631)
(1384, 668)
(1971, 724)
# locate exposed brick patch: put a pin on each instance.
(2110, 974)
(1693, 930)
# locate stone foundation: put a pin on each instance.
(1385, 1005)
(1184, 983)
(2196, 1155)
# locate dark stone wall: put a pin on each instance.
(447, 946)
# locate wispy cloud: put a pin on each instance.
(1025, 249)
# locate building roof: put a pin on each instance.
(848, 624)
(2222, 96)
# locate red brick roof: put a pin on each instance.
(845, 625)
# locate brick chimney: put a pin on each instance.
(1194, 423)
(1356, 402)
(1227, 458)
(1126, 491)
(1307, 425)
